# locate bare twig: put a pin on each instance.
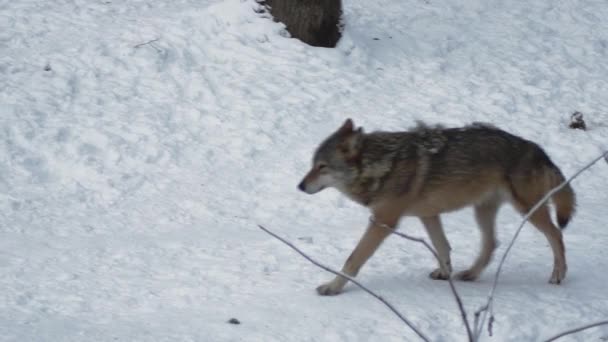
(351, 279)
(575, 330)
(476, 322)
(463, 312)
(488, 307)
(148, 43)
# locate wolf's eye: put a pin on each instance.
(322, 167)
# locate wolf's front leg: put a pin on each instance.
(442, 247)
(371, 240)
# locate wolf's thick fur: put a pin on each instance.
(432, 170)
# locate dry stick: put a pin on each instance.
(146, 43)
(476, 322)
(488, 307)
(351, 279)
(575, 330)
(463, 312)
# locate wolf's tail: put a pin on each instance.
(564, 199)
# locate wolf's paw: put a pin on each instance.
(558, 275)
(439, 274)
(329, 289)
(466, 275)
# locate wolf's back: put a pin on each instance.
(526, 165)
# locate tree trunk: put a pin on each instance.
(315, 22)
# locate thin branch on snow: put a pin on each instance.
(488, 307)
(351, 279)
(575, 330)
(148, 43)
(476, 321)
(463, 312)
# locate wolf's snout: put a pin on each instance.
(302, 186)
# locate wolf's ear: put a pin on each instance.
(347, 126)
(351, 145)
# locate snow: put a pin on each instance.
(142, 141)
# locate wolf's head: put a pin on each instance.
(335, 161)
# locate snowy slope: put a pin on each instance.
(132, 176)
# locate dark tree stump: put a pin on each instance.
(315, 22)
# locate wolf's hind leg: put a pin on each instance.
(542, 221)
(442, 246)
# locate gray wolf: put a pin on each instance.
(427, 171)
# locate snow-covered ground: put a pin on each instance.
(132, 176)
